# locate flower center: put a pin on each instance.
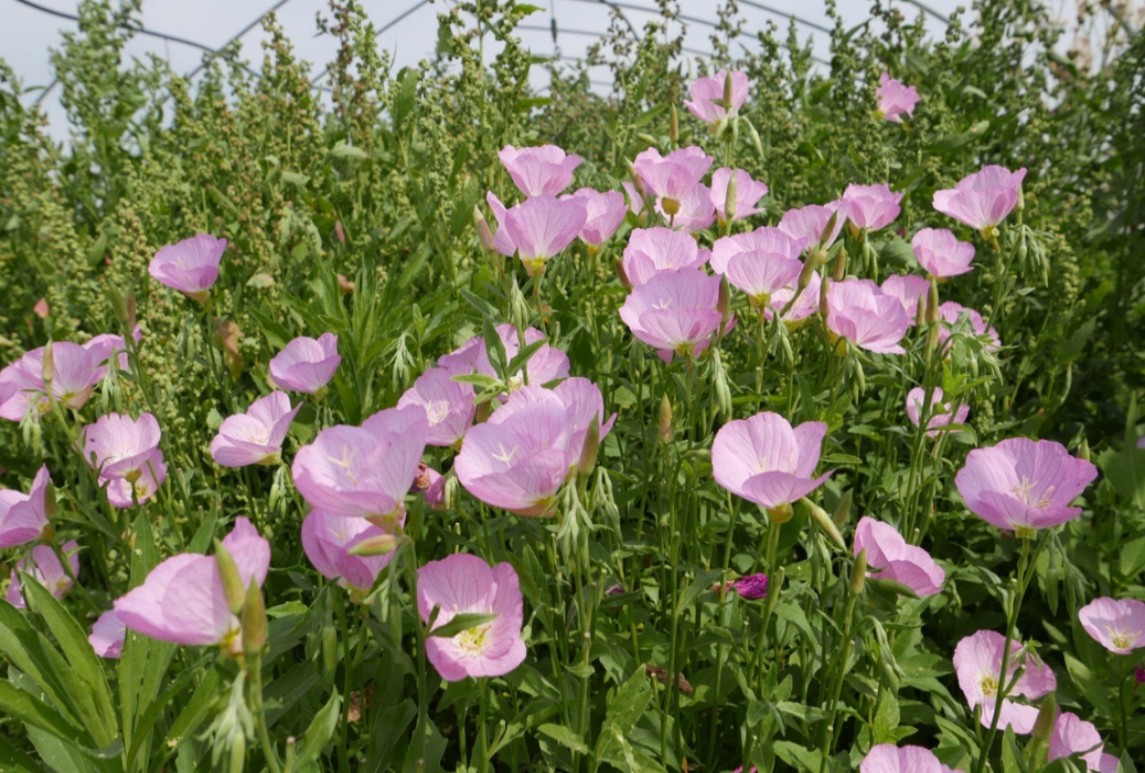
(516, 382)
(989, 686)
(1121, 640)
(436, 411)
(473, 640)
(1024, 491)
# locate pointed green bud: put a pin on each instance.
(932, 315)
(591, 447)
(382, 544)
(254, 620)
(840, 269)
(843, 509)
(665, 420)
(48, 367)
(730, 198)
(484, 232)
(824, 522)
(859, 572)
(232, 581)
(329, 649)
(724, 301)
(728, 91)
(1047, 715)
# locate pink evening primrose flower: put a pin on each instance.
(652, 250)
(501, 240)
(43, 565)
(941, 414)
(635, 200)
(766, 239)
(448, 405)
(806, 304)
(982, 200)
(889, 557)
(366, 471)
(808, 225)
(542, 227)
(888, 758)
(751, 587)
(1116, 624)
(431, 485)
(255, 437)
(24, 516)
(1072, 735)
(748, 194)
(674, 312)
(519, 459)
(327, 541)
(1023, 485)
(545, 364)
(870, 206)
(674, 176)
(895, 98)
(539, 171)
(604, 211)
(109, 348)
(182, 600)
(759, 263)
(706, 91)
(190, 266)
(860, 312)
(908, 289)
(461, 584)
(306, 365)
(978, 665)
(118, 446)
(940, 252)
(75, 372)
(765, 460)
(107, 635)
(953, 314)
(125, 492)
(694, 210)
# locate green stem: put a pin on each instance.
(254, 674)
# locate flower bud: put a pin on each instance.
(824, 522)
(232, 581)
(730, 198)
(840, 269)
(843, 509)
(48, 367)
(920, 312)
(728, 91)
(1047, 715)
(859, 572)
(1083, 451)
(254, 620)
(379, 545)
(724, 301)
(823, 287)
(484, 233)
(329, 649)
(932, 315)
(591, 447)
(805, 275)
(665, 420)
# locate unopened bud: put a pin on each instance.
(806, 273)
(1083, 450)
(724, 301)
(730, 198)
(829, 228)
(329, 649)
(484, 233)
(932, 315)
(932, 339)
(254, 620)
(591, 447)
(840, 269)
(824, 522)
(722, 390)
(674, 127)
(859, 572)
(380, 545)
(665, 420)
(843, 509)
(823, 286)
(1047, 715)
(637, 180)
(232, 580)
(48, 367)
(920, 312)
(728, 91)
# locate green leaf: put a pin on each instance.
(564, 737)
(13, 759)
(320, 731)
(462, 622)
(36, 712)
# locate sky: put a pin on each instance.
(28, 34)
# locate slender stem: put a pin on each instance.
(254, 674)
(828, 733)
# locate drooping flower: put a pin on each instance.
(1116, 624)
(707, 90)
(306, 365)
(190, 266)
(694, 210)
(124, 492)
(465, 584)
(808, 225)
(43, 565)
(859, 311)
(953, 313)
(604, 212)
(24, 516)
(889, 557)
(750, 587)
(978, 665)
(670, 178)
(541, 227)
(255, 437)
(327, 541)
(366, 471)
(765, 460)
(887, 758)
(519, 459)
(1072, 735)
(674, 311)
(118, 446)
(870, 206)
(747, 194)
(940, 252)
(448, 405)
(908, 289)
(982, 200)
(805, 305)
(652, 250)
(895, 98)
(183, 600)
(546, 364)
(1022, 484)
(941, 414)
(540, 171)
(107, 635)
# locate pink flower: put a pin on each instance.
(75, 372)
(748, 193)
(431, 485)
(519, 459)
(635, 200)
(501, 240)
(859, 311)
(545, 364)
(887, 758)
(182, 601)
(464, 584)
(190, 266)
(984, 199)
(1073, 736)
(751, 587)
(766, 239)
(652, 250)
(327, 540)
(805, 305)
(978, 664)
(808, 225)
(870, 206)
(125, 492)
(674, 311)
(106, 346)
(952, 315)
(672, 176)
(940, 252)
(1022, 484)
(541, 228)
(941, 414)
(895, 98)
(306, 365)
(1116, 624)
(43, 566)
(706, 91)
(908, 289)
(539, 171)
(255, 437)
(694, 210)
(604, 212)
(363, 472)
(107, 635)
(24, 516)
(760, 263)
(448, 405)
(766, 461)
(118, 446)
(891, 558)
